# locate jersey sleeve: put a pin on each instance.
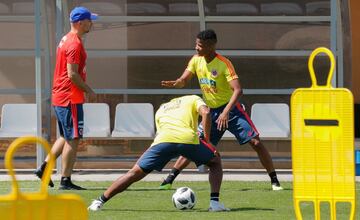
(73, 54)
(230, 73)
(192, 65)
(198, 103)
(157, 118)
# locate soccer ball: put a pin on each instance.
(184, 198)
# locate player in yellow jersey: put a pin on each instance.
(176, 135)
(221, 90)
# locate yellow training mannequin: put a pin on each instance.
(322, 124)
(38, 205)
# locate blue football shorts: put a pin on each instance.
(70, 121)
(240, 125)
(157, 156)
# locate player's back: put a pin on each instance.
(177, 120)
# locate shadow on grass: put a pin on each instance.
(135, 189)
(262, 190)
(192, 210)
(150, 189)
(250, 209)
(142, 210)
(286, 190)
(95, 188)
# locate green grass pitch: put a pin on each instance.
(247, 200)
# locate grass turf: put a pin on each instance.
(247, 200)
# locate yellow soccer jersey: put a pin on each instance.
(177, 120)
(214, 79)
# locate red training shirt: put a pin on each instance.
(70, 50)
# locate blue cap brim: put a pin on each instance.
(94, 16)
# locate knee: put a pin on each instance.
(73, 143)
(256, 144)
(135, 174)
(214, 163)
(215, 160)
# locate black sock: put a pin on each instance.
(171, 177)
(65, 180)
(43, 166)
(103, 199)
(214, 196)
(273, 177)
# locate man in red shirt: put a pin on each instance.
(68, 94)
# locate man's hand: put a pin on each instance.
(90, 95)
(179, 83)
(223, 121)
(91, 92)
(169, 84)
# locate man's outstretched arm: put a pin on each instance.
(180, 82)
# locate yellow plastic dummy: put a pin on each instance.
(322, 137)
(38, 205)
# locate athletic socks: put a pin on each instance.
(43, 166)
(103, 199)
(214, 196)
(65, 180)
(67, 184)
(171, 177)
(274, 179)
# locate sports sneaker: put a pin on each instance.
(165, 186)
(216, 206)
(39, 173)
(276, 186)
(96, 205)
(70, 186)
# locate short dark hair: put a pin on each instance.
(206, 35)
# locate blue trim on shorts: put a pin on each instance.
(157, 156)
(65, 120)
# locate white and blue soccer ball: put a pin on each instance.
(184, 198)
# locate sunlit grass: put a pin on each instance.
(247, 200)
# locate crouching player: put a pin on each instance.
(176, 123)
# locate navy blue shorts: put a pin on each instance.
(240, 125)
(70, 121)
(157, 156)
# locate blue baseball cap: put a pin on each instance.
(81, 13)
